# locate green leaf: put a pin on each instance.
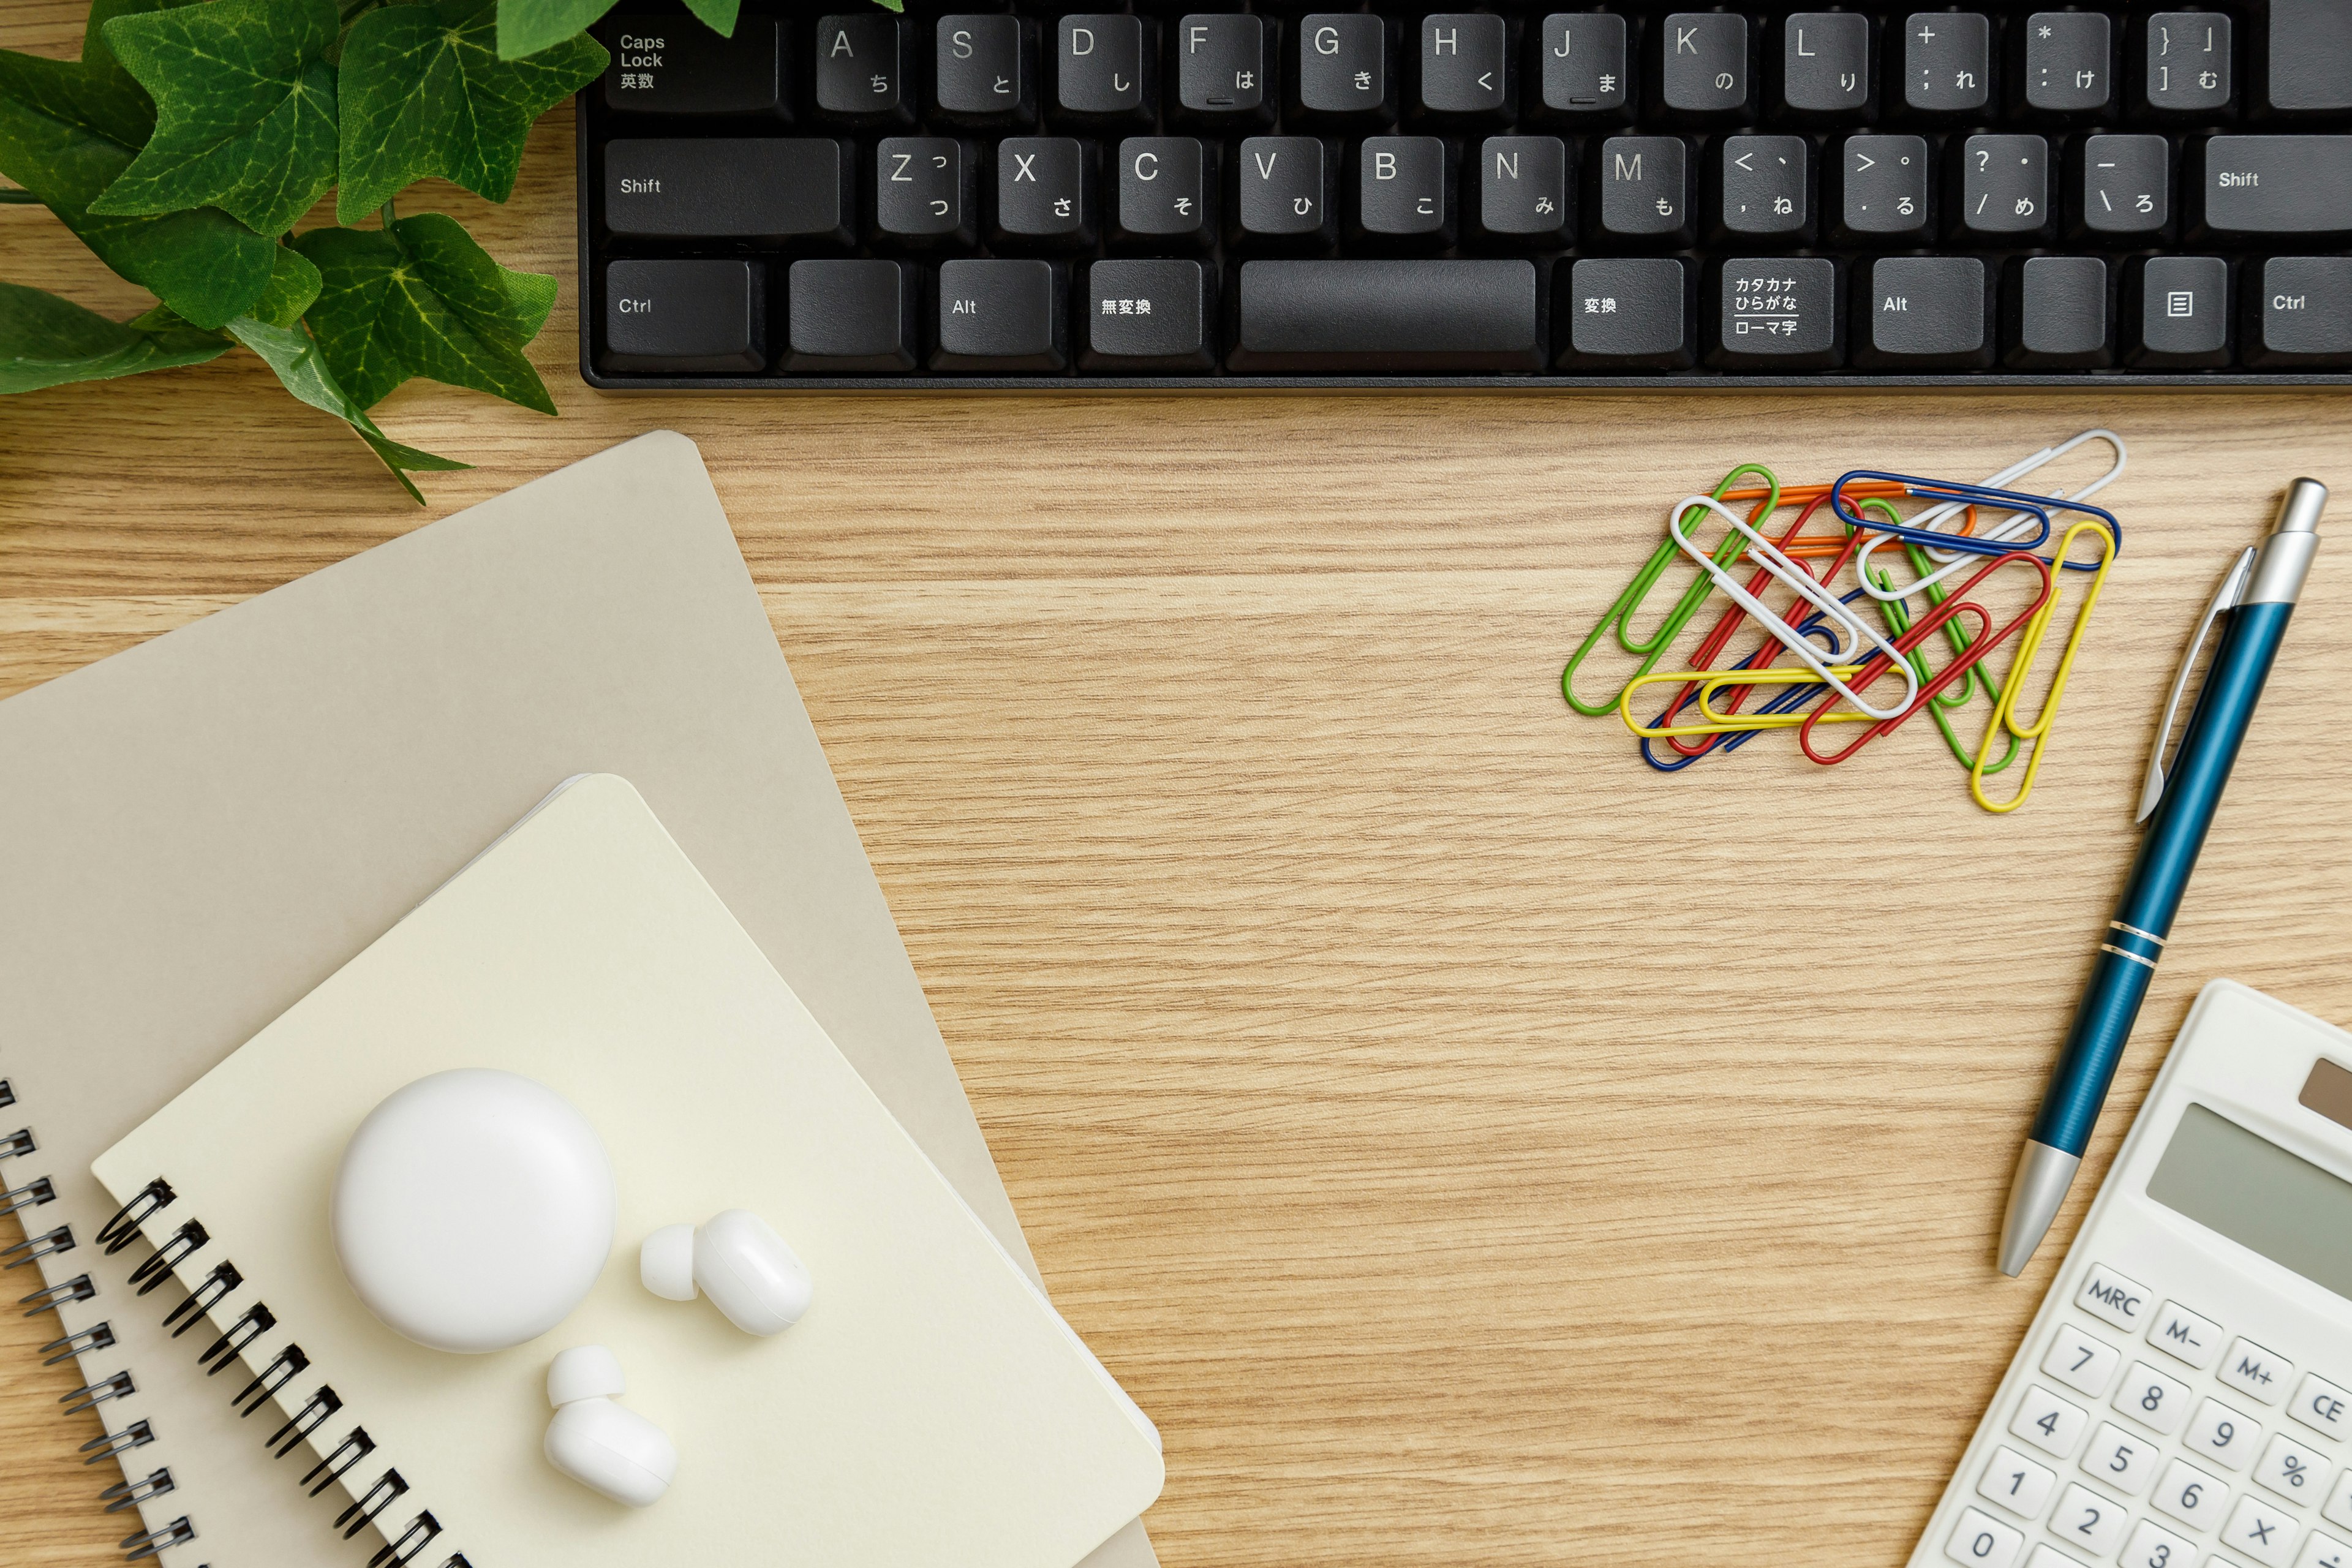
(424, 92)
(67, 131)
(245, 109)
(47, 342)
(719, 14)
(291, 352)
(293, 285)
(898, 6)
(526, 27)
(421, 298)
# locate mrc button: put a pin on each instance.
(2121, 1301)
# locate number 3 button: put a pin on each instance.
(2152, 1399)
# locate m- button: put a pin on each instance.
(2183, 1335)
(2252, 1370)
(2121, 1301)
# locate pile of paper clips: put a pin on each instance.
(1847, 667)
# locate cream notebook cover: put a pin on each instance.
(930, 1408)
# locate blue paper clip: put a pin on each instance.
(1789, 700)
(2037, 506)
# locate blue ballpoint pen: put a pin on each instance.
(2252, 606)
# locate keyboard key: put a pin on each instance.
(1980, 1541)
(1405, 189)
(1705, 70)
(2016, 1483)
(2153, 1399)
(2322, 1406)
(2252, 1370)
(2004, 189)
(2300, 311)
(1343, 66)
(2069, 62)
(982, 70)
(2310, 57)
(1146, 314)
(2260, 1530)
(2190, 1495)
(2083, 1362)
(2121, 1460)
(1782, 313)
(2184, 1336)
(1221, 63)
(2058, 320)
(1466, 59)
(667, 65)
(2088, 1523)
(1105, 69)
(924, 189)
(1924, 312)
(685, 316)
(1644, 186)
(1825, 63)
(2188, 62)
(1000, 315)
(1044, 192)
(2127, 185)
(2153, 1546)
(1629, 313)
(764, 188)
(1523, 189)
(851, 317)
(1763, 187)
(2277, 184)
(1946, 62)
(861, 68)
(2121, 1301)
(2221, 1435)
(2292, 1471)
(2183, 311)
(2324, 1551)
(1167, 192)
(1884, 199)
(1390, 316)
(1285, 184)
(1587, 66)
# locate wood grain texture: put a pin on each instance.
(1467, 1144)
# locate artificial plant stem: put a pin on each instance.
(14, 198)
(386, 215)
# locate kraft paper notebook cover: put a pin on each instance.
(928, 1407)
(202, 828)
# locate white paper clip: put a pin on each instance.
(2009, 527)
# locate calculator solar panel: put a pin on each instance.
(1049, 197)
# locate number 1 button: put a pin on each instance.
(2015, 1482)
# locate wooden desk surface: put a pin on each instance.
(1467, 1143)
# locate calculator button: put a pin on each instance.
(2291, 1470)
(2051, 1557)
(2324, 1551)
(2152, 1399)
(2048, 1422)
(2081, 1363)
(2015, 1482)
(2153, 1546)
(2252, 1370)
(2107, 1294)
(2259, 1528)
(2123, 1461)
(1983, 1541)
(2322, 1406)
(2190, 1496)
(2183, 1335)
(2338, 1508)
(2088, 1523)
(2221, 1435)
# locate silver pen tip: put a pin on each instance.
(2036, 1192)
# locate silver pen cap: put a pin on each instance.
(2284, 560)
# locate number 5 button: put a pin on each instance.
(2048, 1422)
(2152, 1399)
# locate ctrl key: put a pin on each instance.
(680, 316)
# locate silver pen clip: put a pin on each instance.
(2226, 597)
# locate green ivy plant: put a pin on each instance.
(192, 134)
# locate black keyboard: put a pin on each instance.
(1040, 196)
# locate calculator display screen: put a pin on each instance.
(2260, 1196)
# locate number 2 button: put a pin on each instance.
(2089, 1521)
(2152, 1399)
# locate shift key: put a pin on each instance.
(770, 188)
(2277, 184)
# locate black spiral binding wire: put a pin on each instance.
(33, 1248)
(123, 1228)
(32, 1194)
(114, 1444)
(127, 1493)
(219, 1355)
(145, 1544)
(210, 1292)
(96, 1337)
(50, 1298)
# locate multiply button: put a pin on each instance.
(2183, 1335)
(2322, 1406)
(2107, 1294)
(2252, 1370)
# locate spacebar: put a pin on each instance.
(1351, 317)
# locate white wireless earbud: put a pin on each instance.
(599, 1444)
(740, 1264)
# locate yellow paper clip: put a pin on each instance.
(2004, 713)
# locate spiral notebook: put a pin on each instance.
(230, 811)
(929, 1406)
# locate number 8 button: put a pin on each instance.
(2152, 1399)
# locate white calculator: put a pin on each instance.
(2184, 1397)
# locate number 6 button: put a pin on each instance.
(2190, 1496)
(2152, 1399)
